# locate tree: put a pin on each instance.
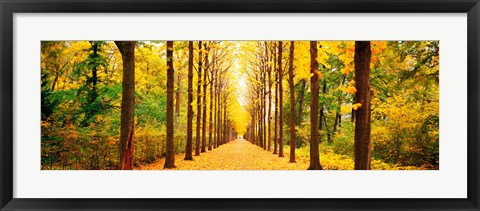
(188, 147)
(269, 113)
(178, 95)
(314, 151)
(219, 84)
(127, 49)
(199, 99)
(292, 103)
(275, 136)
(211, 96)
(89, 68)
(280, 100)
(204, 101)
(362, 59)
(94, 63)
(170, 154)
(300, 101)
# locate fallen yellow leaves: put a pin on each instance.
(235, 155)
(242, 155)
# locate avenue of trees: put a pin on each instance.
(123, 104)
(358, 99)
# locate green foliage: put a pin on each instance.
(47, 105)
(151, 108)
(303, 134)
(343, 142)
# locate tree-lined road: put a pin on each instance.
(235, 155)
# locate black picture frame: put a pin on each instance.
(9, 7)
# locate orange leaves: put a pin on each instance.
(350, 48)
(346, 56)
(347, 70)
(350, 89)
(378, 47)
(113, 142)
(320, 75)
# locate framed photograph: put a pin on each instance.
(264, 105)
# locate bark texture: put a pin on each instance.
(199, 100)
(127, 49)
(170, 154)
(204, 103)
(362, 58)
(280, 100)
(314, 136)
(189, 145)
(292, 103)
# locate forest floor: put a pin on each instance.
(235, 155)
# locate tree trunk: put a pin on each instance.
(320, 120)
(259, 117)
(324, 90)
(280, 100)
(199, 99)
(217, 114)
(353, 111)
(225, 123)
(220, 123)
(338, 121)
(323, 117)
(314, 150)
(264, 113)
(264, 102)
(54, 82)
(127, 49)
(338, 115)
(210, 124)
(262, 119)
(258, 110)
(292, 103)
(94, 74)
(178, 95)
(254, 124)
(269, 116)
(362, 117)
(188, 147)
(204, 103)
(300, 103)
(170, 155)
(215, 108)
(329, 137)
(92, 96)
(275, 136)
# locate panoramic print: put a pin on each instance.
(240, 105)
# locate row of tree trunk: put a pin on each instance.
(212, 82)
(269, 57)
(260, 134)
(257, 130)
(210, 72)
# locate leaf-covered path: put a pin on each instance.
(235, 155)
